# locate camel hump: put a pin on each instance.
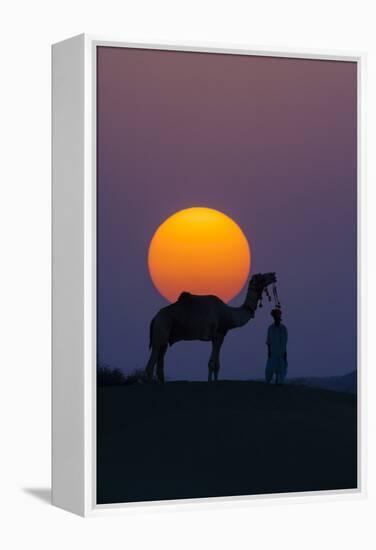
(184, 296)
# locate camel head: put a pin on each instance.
(261, 280)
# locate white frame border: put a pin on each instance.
(90, 507)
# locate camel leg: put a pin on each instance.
(216, 370)
(211, 364)
(214, 359)
(149, 369)
(160, 364)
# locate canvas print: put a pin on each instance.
(226, 275)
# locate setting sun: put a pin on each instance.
(199, 250)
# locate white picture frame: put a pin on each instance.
(74, 275)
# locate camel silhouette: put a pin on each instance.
(205, 318)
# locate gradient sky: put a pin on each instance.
(271, 142)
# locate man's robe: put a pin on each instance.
(277, 342)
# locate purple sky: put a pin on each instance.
(271, 142)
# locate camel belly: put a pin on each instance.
(193, 318)
(176, 337)
(192, 329)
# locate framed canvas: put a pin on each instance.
(207, 279)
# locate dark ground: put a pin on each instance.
(194, 439)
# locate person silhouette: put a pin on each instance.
(276, 342)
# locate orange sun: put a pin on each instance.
(199, 250)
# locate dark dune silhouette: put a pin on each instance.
(193, 439)
(346, 383)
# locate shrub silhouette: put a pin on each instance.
(109, 376)
(135, 377)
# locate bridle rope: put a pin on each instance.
(277, 303)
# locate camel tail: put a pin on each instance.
(151, 332)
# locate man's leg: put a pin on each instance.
(280, 374)
(269, 371)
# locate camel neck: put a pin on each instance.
(240, 316)
(251, 300)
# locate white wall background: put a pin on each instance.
(27, 30)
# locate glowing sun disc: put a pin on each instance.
(199, 250)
